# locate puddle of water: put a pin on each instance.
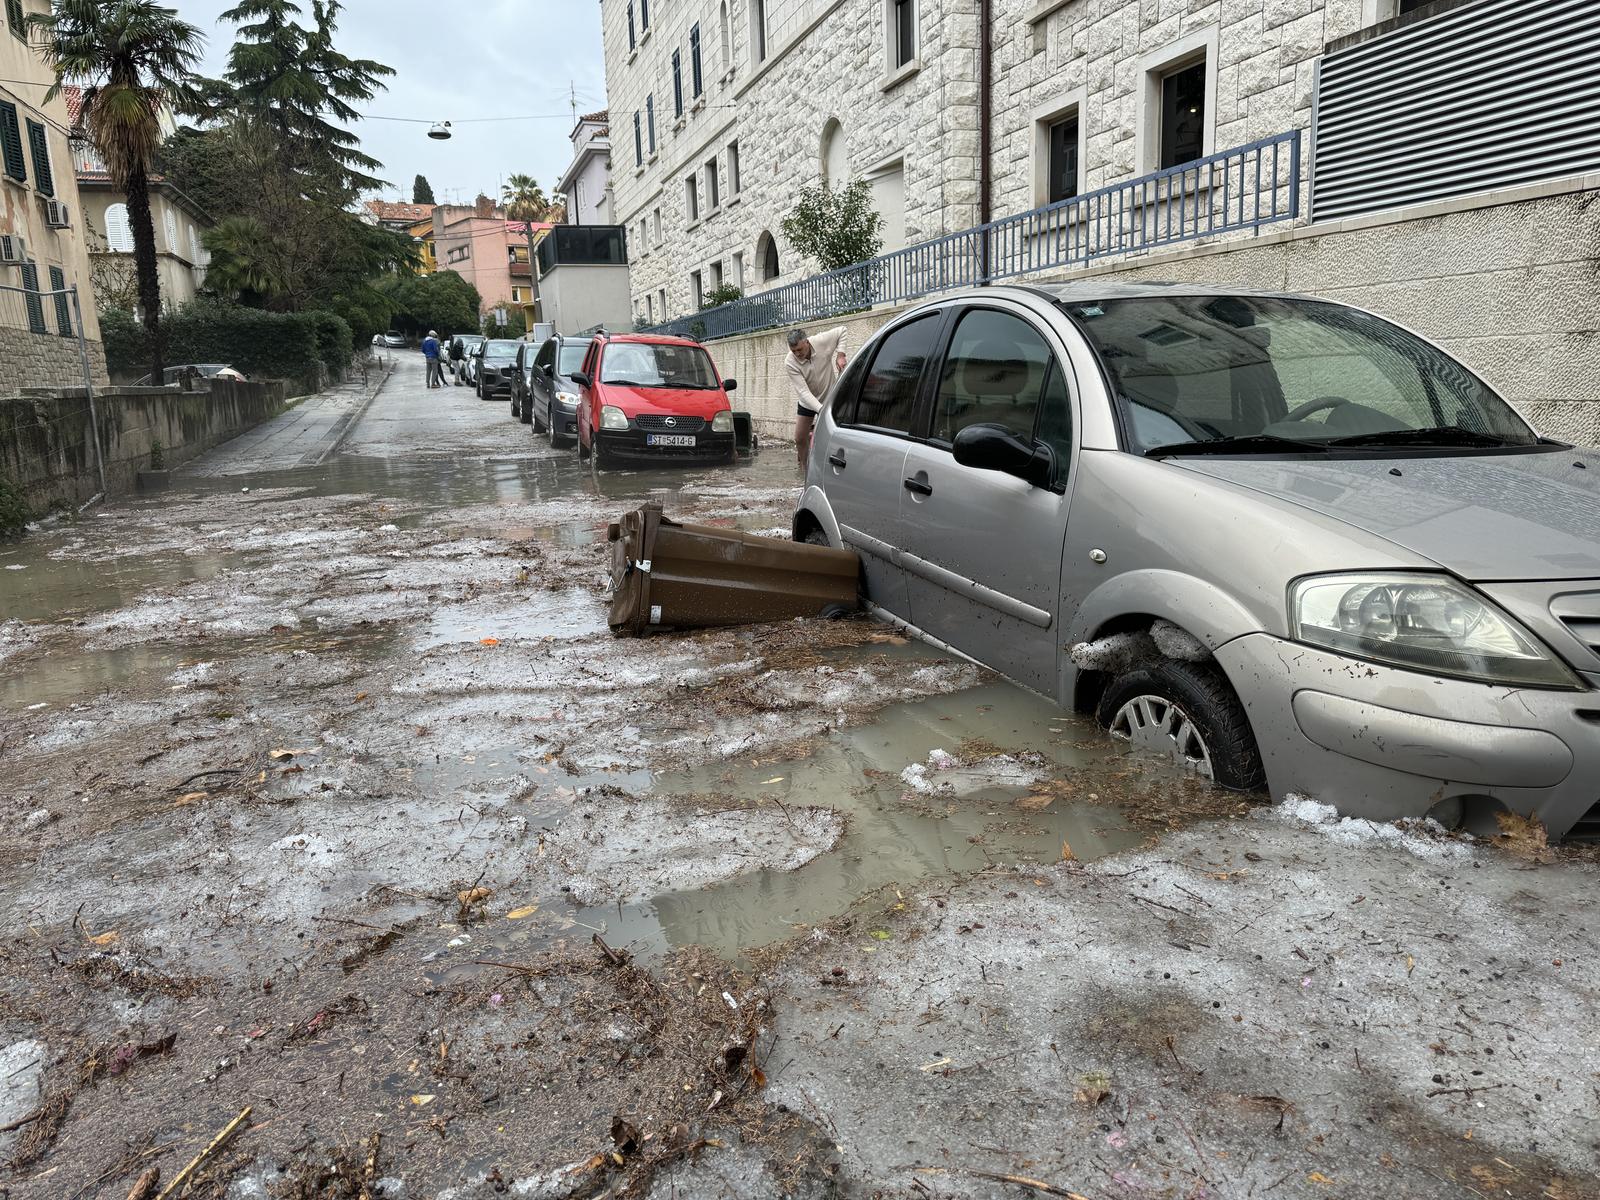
(61, 678)
(888, 840)
(524, 616)
(48, 589)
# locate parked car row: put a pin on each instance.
(1278, 540)
(624, 399)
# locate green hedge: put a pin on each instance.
(259, 343)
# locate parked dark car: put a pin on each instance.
(555, 394)
(493, 364)
(522, 382)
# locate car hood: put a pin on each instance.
(1481, 517)
(677, 402)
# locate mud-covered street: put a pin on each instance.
(329, 800)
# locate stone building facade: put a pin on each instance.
(41, 218)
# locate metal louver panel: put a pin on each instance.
(1490, 95)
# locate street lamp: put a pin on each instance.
(440, 131)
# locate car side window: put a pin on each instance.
(848, 390)
(547, 355)
(995, 373)
(1055, 421)
(889, 392)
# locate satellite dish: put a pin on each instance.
(440, 131)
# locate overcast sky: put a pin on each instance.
(461, 61)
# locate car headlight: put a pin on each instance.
(722, 422)
(567, 397)
(1422, 622)
(612, 418)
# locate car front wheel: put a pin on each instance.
(1187, 714)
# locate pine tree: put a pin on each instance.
(422, 191)
(292, 80)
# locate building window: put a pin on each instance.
(738, 270)
(733, 168)
(657, 218)
(638, 142)
(516, 295)
(1411, 6)
(39, 143)
(661, 303)
(30, 284)
(633, 39)
(727, 39)
(119, 230)
(644, 14)
(170, 222)
(691, 199)
(713, 194)
(11, 142)
(1061, 180)
(758, 30)
(694, 60)
(58, 285)
(767, 256)
(902, 33)
(650, 309)
(16, 19)
(716, 276)
(697, 290)
(677, 84)
(834, 155)
(650, 121)
(1183, 115)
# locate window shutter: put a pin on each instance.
(119, 230)
(14, 15)
(44, 179)
(58, 284)
(171, 224)
(11, 142)
(30, 282)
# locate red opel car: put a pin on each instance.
(649, 399)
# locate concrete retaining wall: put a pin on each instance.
(1510, 289)
(46, 453)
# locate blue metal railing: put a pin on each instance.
(1244, 188)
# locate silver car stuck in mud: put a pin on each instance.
(1279, 539)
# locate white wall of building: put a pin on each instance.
(576, 298)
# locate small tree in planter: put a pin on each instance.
(725, 293)
(837, 230)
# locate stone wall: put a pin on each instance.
(46, 360)
(44, 438)
(1511, 289)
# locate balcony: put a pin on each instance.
(583, 246)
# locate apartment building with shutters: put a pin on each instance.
(1434, 160)
(42, 245)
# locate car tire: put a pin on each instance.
(1188, 711)
(817, 537)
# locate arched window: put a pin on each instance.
(834, 159)
(727, 40)
(119, 232)
(767, 256)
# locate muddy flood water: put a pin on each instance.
(329, 795)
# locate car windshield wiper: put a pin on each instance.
(1256, 443)
(628, 383)
(1444, 435)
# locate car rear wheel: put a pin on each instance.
(1187, 714)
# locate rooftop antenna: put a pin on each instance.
(572, 91)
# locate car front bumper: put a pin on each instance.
(1384, 743)
(631, 444)
(496, 385)
(563, 421)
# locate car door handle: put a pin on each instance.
(837, 460)
(918, 487)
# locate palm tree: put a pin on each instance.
(132, 58)
(524, 199)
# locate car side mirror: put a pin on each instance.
(581, 378)
(987, 447)
(729, 385)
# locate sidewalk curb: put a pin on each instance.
(343, 426)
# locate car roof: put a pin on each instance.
(650, 339)
(1087, 291)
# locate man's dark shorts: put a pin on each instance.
(808, 412)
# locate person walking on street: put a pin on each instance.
(458, 357)
(812, 367)
(430, 353)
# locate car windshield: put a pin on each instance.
(571, 358)
(645, 364)
(1249, 374)
(500, 351)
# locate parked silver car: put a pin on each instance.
(1281, 540)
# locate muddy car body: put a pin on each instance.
(1280, 540)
